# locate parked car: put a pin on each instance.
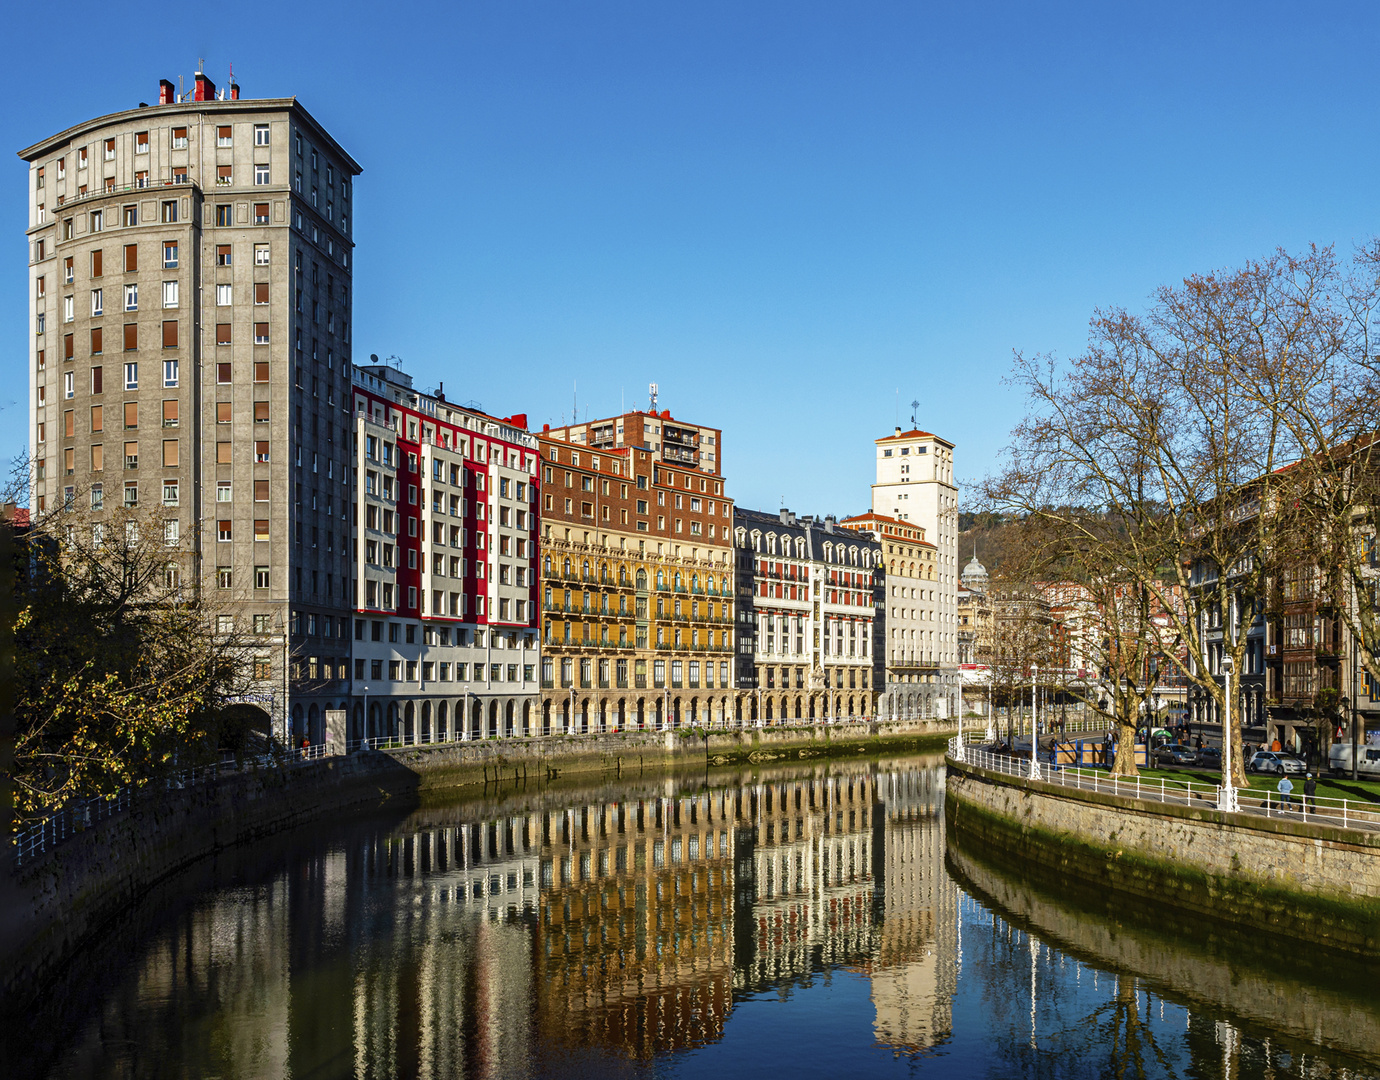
(1175, 754)
(1210, 757)
(1270, 761)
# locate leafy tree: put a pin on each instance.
(122, 672)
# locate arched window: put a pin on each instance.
(642, 580)
(567, 567)
(740, 538)
(677, 581)
(771, 543)
(585, 569)
(661, 579)
(546, 566)
(694, 582)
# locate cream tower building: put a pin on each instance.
(915, 483)
(189, 364)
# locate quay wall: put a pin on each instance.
(69, 897)
(1306, 881)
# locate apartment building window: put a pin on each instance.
(97, 302)
(69, 308)
(97, 497)
(131, 376)
(223, 374)
(179, 138)
(261, 292)
(261, 176)
(223, 457)
(130, 215)
(261, 254)
(225, 489)
(224, 530)
(225, 577)
(132, 493)
(97, 220)
(169, 254)
(261, 412)
(261, 371)
(132, 297)
(224, 295)
(261, 333)
(170, 492)
(97, 381)
(223, 256)
(223, 333)
(141, 179)
(260, 134)
(261, 451)
(131, 455)
(170, 334)
(170, 373)
(169, 211)
(223, 136)
(224, 214)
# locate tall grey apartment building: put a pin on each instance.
(190, 290)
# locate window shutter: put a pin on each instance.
(131, 336)
(170, 334)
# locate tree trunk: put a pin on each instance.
(1125, 763)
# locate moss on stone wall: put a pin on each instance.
(1066, 860)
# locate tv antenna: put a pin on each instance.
(652, 392)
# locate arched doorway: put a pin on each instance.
(357, 722)
(375, 721)
(526, 719)
(546, 718)
(426, 721)
(442, 732)
(477, 721)
(409, 731)
(493, 719)
(508, 720)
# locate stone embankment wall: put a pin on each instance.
(64, 900)
(1307, 881)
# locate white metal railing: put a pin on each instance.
(79, 816)
(1258, 802)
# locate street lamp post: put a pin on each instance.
(1034, 725)
(1226, 793)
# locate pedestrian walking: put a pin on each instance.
(1286, 789)
(1310, 786)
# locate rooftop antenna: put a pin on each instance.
(913, 406)
(574, 401)
(181, 93)
(652, 392)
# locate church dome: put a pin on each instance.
(974, 574)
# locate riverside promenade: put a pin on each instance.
(1311, 876)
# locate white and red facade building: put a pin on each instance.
(445, 590)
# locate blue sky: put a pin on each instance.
(792, 216)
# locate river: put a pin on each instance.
(810, 919)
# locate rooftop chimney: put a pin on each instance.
(234, 89)
(898, 429)
(205, 88)
(167, 95)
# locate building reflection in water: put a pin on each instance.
(559, 934)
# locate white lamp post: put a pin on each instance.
(1226, 792)
(1034, 726)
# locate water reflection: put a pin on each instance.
(798, 918)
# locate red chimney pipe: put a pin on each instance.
(167, 95)
(205, 88)
(234, 90)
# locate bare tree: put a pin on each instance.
(1158, 428)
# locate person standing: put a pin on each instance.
(1310, 787)
(1285, 788)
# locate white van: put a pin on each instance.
(1367, 759)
